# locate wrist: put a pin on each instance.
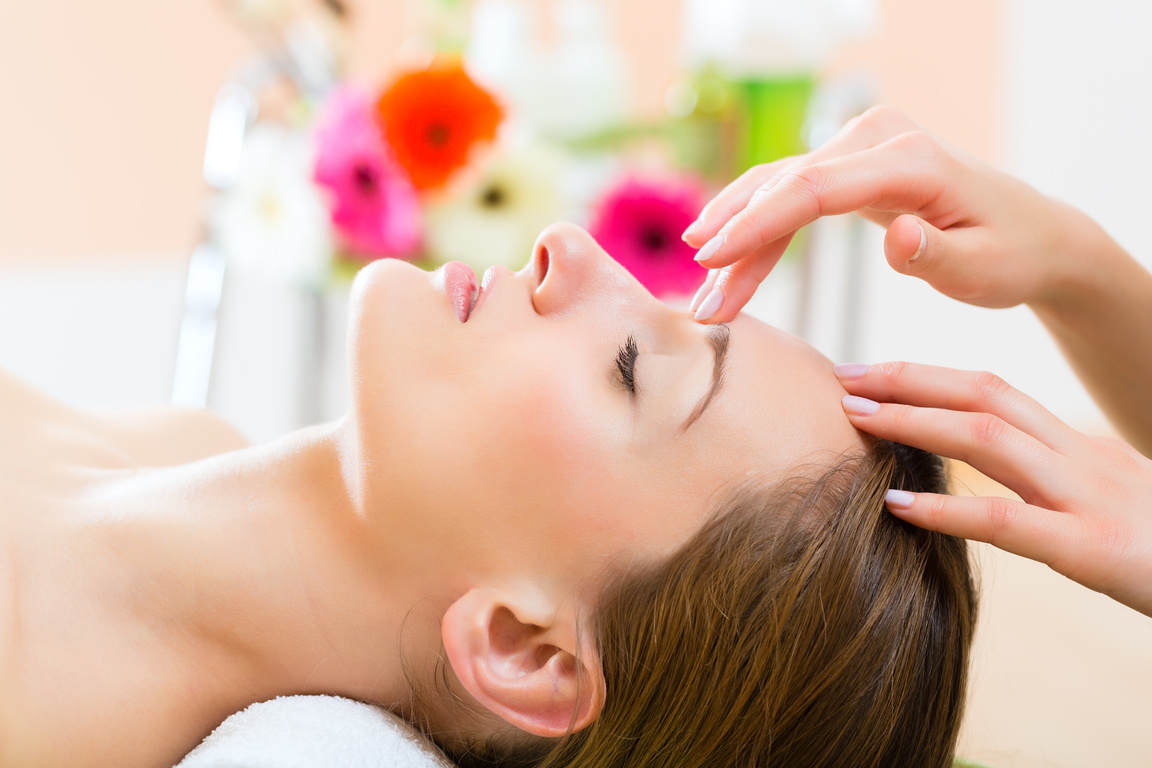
(1084, 263)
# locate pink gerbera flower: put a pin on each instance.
(372, 201)
(638, 222)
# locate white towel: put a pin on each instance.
(315, 732)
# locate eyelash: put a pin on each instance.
(626, 363)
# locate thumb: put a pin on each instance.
(913, 246)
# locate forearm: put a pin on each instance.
(1101, 317)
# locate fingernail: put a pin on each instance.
(710, 247)
(860, 406)
(711, 305)
(850, 370)
(693, 228)
(702, 291)
(923, 243)
(899, 499)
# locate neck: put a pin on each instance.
(260, 566)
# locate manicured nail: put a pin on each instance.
(693, 228)
(710, 247)
(703, 290)
(899, 499)
(711, 305)
(860, 406)
(923, 243)
(850, 370)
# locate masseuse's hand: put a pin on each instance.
(1087, 501)
(974, 233)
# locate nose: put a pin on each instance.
(571, 269)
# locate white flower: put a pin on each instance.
(273, 220)
(493, 216)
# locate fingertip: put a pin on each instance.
(899, 501)
(692, 233)
(703, 290)
(710, 305)
(859, 406)
(850, 371)
(906, 242)
(711, 248)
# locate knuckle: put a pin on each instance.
(807, 182)
(988, 387)
(988, 429)
(900, 419)
(884, 118)
(750, 221)
(1099, 561)
(900, 371)
(1001, 516)
(857, 123)
(1116, 452)
(920, 143)
(936, 511)
(897, 371)
(1112, 539)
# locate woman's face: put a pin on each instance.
(572, 419)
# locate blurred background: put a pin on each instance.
(606, 113)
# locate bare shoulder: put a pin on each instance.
(166, 434)
(19, 398)
(159, 435)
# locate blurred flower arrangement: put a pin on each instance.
(469, 153)
(433, 166)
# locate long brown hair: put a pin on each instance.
(802, 626)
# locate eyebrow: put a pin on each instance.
(718, 337)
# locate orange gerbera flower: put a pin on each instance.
(432, 118)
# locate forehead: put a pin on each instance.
(780, 407)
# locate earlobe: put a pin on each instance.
(522, 666)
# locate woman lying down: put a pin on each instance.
(567, 526)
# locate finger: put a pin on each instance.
(870, 129)
(703, 290)
(730, 201)
(738, 283)
(874, 127)
(930, 386)
(1016, 527)
(897, 175)
(987, 442)
(907, 240)
(954, 261)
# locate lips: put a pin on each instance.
(460, 286)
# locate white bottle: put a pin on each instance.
(749, 38)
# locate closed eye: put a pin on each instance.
(626, 363)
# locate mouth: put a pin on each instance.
(459, 283)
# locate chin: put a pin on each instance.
(402, 338)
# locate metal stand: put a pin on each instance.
(301, 56)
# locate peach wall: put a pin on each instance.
(103, 106)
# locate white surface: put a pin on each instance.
(314, 732)
(104, 335)
(93, 334)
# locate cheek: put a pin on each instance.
(550, 458)
(556, 429)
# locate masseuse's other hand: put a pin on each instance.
(1087, 501)
(974, 233)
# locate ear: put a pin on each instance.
(521, 662)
